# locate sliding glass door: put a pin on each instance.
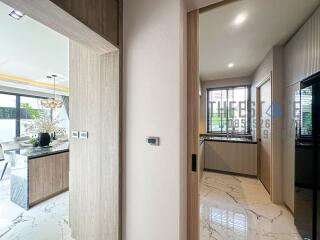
(8, 115)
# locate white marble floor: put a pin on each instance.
(46, 221)
(238, 208)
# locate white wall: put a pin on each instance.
(265, 67)
(230, 82)
(302, 59)
(154, 192)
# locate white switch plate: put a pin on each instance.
(74, 134)
(83, 135)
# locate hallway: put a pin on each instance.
(239, 208)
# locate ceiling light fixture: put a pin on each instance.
(16, 14)
(230, 65)
(240, 19)
(52, 102)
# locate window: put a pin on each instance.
(30, 107)
(7, 117)
(228, 110)
(16, 110)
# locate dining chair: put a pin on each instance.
(22, 139)
(6, 157)
(2, 159)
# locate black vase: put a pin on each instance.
(44, 139)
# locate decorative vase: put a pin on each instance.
(44, 139)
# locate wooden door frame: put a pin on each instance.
(52, 16)
(193, 108)
(258, 128)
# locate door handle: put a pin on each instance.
(194, 162)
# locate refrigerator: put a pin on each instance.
(307, 158)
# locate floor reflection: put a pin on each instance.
(238, 208)
(48, 220)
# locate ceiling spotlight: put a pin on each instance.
(240, 19)
(230, 65)
(16, 14)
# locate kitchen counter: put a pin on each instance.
(36, 152)
(38, 173)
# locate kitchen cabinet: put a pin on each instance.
(232, 157)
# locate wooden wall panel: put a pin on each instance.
(301, 59)
(102, 16)
(193, 109)
(48, 176)
(84, 154)
(94, 162)
(110, 172)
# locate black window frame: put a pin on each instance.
(18, 107)
(248, 130)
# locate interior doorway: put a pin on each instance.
(94, 175)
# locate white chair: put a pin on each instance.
(23, 141)
(2, 159)
(7, 158)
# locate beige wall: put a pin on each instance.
(273, 64)
(302, 59)
(154, 95)
(261, 72)
(241, 81)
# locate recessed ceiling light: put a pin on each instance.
(240, 19)
(230, 65)
(16, 14)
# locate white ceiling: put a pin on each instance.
(267, 23)
(31, 50)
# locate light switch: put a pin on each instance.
(74, 134)
(83, 135)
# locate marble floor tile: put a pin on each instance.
(45, 221)
(239, 208)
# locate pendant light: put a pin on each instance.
(52, 103)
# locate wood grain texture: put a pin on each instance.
(102, 16)
(231, 157)
(302, 57)
(193, 112)
(110, 166)
(49, 14)
(48, 176)
(94, 162)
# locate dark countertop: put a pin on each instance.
(226, 139)
(36, 152)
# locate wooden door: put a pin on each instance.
(265, 134)
(193, 102)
